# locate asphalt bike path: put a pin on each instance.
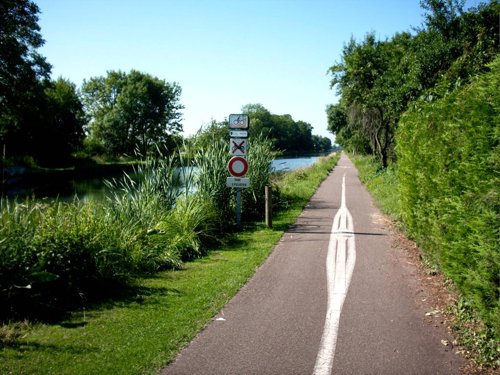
(332, 298)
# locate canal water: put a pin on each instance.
(291, 164)
(85, 188)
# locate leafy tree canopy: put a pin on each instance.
(285, 133)
(377, 80)
(64, 119)
(23, 72)
(131, 112)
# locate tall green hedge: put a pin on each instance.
(449, 168)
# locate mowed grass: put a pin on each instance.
(140, 328)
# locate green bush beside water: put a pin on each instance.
(53, 253)
(138, 328)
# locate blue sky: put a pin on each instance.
(223, 53)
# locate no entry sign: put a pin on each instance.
(237, 166)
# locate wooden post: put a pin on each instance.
(269, 206)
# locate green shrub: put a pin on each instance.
(141, 198)
(449, 168)
(51, 251)
(189, 226)
(10, 333)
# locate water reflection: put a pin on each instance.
(96, 187)
(290, 164)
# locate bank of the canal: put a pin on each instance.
(89, 181)
(140, 329)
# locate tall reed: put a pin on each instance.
(260, 156)
(143, 205)
(165, 212)
(190, 226)
(51, 251)
(211, 182)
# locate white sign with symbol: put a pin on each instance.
(238, 133)
(238, 121)
(238, 146)
(238, 182)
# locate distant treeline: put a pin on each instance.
(286, 134)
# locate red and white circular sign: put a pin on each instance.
(237, 166)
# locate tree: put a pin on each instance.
(133, 111)
(443, 16)
(377, 80)
(337, 118)
(260, 119)
(362, 79)
(283, 131)
(62, 131)
(23, 72)
(466, 42)
(209, 134)
(321, 144)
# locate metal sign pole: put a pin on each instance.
(238, 166)
(238, 206)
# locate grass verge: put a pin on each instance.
(382, 183)
(139, 329)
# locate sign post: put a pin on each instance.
(238, 165)
(238, 207)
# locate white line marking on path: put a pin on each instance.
(339, 267)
